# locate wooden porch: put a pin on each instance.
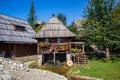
(64, 48)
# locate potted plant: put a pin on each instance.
(75, 50)
(62, 47)
(44, 44)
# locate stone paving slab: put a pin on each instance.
(36, 74)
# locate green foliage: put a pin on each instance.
(62, 47)
(62, 18)
(106, 70)
(44, 44)
(117, 10)
(37, 28)
(33, 65)
(73, 28)
(75, 50)
(60, 69)
(101, 27)
(31, 17)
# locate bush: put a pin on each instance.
(57, 68)
(75, 50)
(34, 65)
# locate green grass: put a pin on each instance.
(97, 68)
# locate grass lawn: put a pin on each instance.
(99, 69)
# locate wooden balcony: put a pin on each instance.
(58, 47)
(54, 47)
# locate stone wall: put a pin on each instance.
(27, 58)
(12, 64)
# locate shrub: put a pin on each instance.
(44, 44)
(75, 50)
(57, 68)
(33, 65)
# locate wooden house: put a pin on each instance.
(54, 31)
(57, 35)
(16, 37)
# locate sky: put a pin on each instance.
(44, 9)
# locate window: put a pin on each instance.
(46, 40)
(59, 40)
(20, 28)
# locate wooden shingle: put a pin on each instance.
(54, 28)
(9, 34)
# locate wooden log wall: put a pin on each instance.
(25, 49)
(19, 50)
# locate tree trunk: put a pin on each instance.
(107, 54)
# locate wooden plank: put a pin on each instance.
(54, 56)
(38, 50)
(83, 50)
(77, 42)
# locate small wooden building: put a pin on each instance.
(55, 33)
(16, 37)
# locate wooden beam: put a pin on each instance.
(69, 47)
(83, 48)
(38, 50)
(77, 42)
(54, 57)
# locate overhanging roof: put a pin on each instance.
(54, 28)
(9, 34)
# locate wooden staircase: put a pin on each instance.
(81, 59)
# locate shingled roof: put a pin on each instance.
(9, 34)
(54, 28)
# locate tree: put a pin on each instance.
(31, 17)
(62, 18)
(117, 10)
(37, 28)
(101, 26)
(73, 28)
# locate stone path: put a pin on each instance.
(36, 74)
(5, 75)
(21, 73)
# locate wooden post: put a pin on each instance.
(107, 54)
(54, 57)
(83, 49)
(69, 44)
(38, 50)
(74, 58)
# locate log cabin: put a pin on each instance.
(57, 37)
(16, 37)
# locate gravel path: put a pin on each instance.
(36, 74)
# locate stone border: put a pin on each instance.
(12, 65)
(27, 58)
(87, 78)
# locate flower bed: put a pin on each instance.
(44, 44)
(62, 47)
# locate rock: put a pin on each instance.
(6, 77)
(36, 74)
(5, 72)
(1, 78)
(1, 66)
(21, 65)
